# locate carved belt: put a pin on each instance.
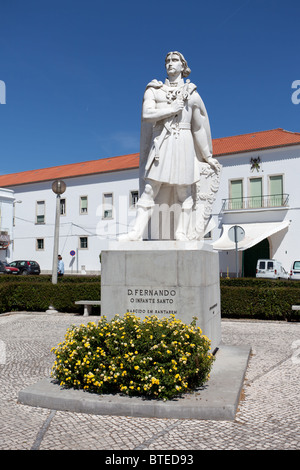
(174, 125)
(181, 125)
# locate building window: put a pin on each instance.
(255, 192)
(83, 243)
(133, 199)
(40, 244)
(62, 207)
(236, 194)
(107, 206)
(40, 212)
(276, 190)
(83, 205)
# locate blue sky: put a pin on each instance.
(75, 71)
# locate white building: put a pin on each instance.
(97, 192)
(258, 191)
(7, 204)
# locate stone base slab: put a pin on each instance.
(217, 400)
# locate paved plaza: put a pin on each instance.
(268, 416)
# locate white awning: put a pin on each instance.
(254, 233)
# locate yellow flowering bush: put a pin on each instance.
(154, 357)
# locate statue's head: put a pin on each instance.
(186, 70)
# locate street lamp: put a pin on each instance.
(58, 187)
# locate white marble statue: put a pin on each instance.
(176, 154)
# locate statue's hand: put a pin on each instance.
(178, 106)
(213, 163)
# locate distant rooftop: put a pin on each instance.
(255, 141)
(224, 146)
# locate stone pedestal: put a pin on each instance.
(162, 278)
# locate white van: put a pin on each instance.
(270, 268)
(295, 270)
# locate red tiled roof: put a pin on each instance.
(223, 146)
(104, 165)
(255, 141)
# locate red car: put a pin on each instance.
(10, 269)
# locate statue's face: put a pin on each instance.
(174, 65)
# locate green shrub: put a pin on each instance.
(258, 282)
(37, 293)
(240, 298)
(154, 358)
(4, 279)
(259, 299)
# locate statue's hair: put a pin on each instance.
(186, 69)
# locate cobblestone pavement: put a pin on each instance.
(268, 416)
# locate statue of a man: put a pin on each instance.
(175, 141)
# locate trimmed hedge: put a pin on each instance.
(265, 299)
(259, 282)
(5, 278)
(248, 298)
(261, 303)
(37, 293)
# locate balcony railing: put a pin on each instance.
(255, 202)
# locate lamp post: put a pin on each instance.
(58, 187)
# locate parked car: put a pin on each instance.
(26, 267)
(10, 269)
(270, 268)
(295, 270)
